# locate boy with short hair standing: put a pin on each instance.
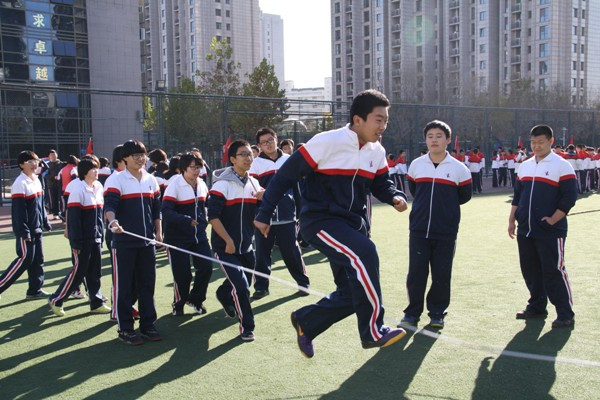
(545, 191)
(440, 184)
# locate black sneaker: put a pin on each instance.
(437, 323)
(228, 308)
(42, 294)
(151, 334)
(130, 337)
(388, 338)
(528, 314)
(304, 343)
(259, 294)
(200, 310)
(178, 311)
(247, 336)
(301, 292)
(563, 323)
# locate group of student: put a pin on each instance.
(256, 199)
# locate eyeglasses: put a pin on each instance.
(244, 155)
(138, 156)
(32, 162)
(268, 141)
(195, 167)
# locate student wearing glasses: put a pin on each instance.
(132, 203)
(28, 219)
(231, 210)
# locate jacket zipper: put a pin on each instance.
(352, 184)
(531, 198)
(431, 202)
(195, 212)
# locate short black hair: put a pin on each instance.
(52, 151)
(132, 147)
(72, 160)
(85, 165)
(157, 155)
(25, 156)
(234, 146)
(364, 103)
(116, 156)
(255, 147)
(570, 147)
(540, 130)
(103, 162)
(174, 163)
(188, 158)
(162, 166)
(286, 142)
(437, 124)
(264, 131)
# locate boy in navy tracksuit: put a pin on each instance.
(132, 203)
(439, 184)
(341, 168)
(184, 221)
(283, 224)
(545, 191)
(231, 209)
(86, 230)
(28, 218)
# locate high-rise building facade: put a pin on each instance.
(438, 51)
(272, 44)
(176, 36)
(53, 52)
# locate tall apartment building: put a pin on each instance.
(446, 51)
(176, 36)
(271, 28)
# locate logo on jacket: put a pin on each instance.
(547, 173)
(448, 175)
(371, 164)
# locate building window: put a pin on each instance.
(192, 39)
(544, 1)
(192, 26)
(379, 46)
(419, 51)
(337, 21)
(483, 16)
(575, 12)
(418, 5)
(228, 27)
(338, 35)
(483, 65)
(194, 67)
(379, 17)
(544, 32)
(227, 14)
(338, 49)
(483, 32)
(419, 21)
(367, 73)
(483, 48)
(544, 50)
(367, 44)
(574, 30)
(336, 7)
(574, 65)
(379, 32)
(193, 54)
(367, 31)
(574, 47)
(366, 16)
(574, 83)
(219, 25)
(367, 58)
(543, 67)
(338, 62)
(544, 14)
(338, 76)
(218, 12)
(542, 84)
(582, 48)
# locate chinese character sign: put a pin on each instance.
(41, 73)
(42, 47)
(38, 20)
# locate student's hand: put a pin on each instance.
(511, 229)
(549, 220)
(159, 237)
(194, 222)
(260, 194)
(28, 239)
(75, 251)
(230, 247)
(262, 227)
(115, 227)
(399, 204)
(66, 234)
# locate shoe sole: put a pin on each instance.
(151, 339)
(225, 309)
(99, 312)
(245, 339)
(532, 316)
(128, 343)
(407, 323)
(394, 339)
(295, 325)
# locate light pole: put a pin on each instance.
(160, 87)
(564, 131)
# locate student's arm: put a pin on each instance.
(168, 208)
(384, 189)
(112, 197)
(568, 194)
(465, 185)
(412, 184)
(218, 227)
(216, 204)
(511, 222)
(19, 212)
(74, 226)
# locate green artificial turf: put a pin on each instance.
(202, 357)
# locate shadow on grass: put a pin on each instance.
(518, 378)
(186, 338)
(388, 374)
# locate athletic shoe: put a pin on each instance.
(304, 344)
(42, 294)
(151, 334)
(178, 311)
(130, 337)
(76, 294)
(388, 338)
(563, 323)
(302, 293)
(437, 323)
(259, 294)
(102, 309)
(58, 311)
(198, 309)
(247, 336)
(409, 320)
(528, 314)
(135, 313)
(228, 308)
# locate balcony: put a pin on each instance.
(454, 52)
(454, 20)
(515, 59)
(348, 50)
(396, 72)
(516, 76)
(349, 64)
(348, 22)
(515, 42)
(348, 37)
(396, 42)
(349, 78)
(454, 4)
(516, 8)
(396, 12)
(454, 67)
(395, 27)
(348, 9)
(516, 24)
(396, 57)
(454, 35)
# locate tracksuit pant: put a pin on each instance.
(285, 237)
(513, 176)
(582, 175)
(476, 178)
(30, 258)
(494, 177)
(355, 265)
(86, 265)
(182, 274)
(134, 266)
(543, 268)
(54, 197)
(438, 255)
(113, 290)
(502, 177)
(235, 290)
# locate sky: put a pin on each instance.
(306, 37)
